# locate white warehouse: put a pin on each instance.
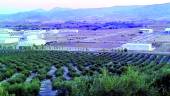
(7, 38)
(146, 31)
(138, 46)
(167, 30)
(31, 40)
(68, 30)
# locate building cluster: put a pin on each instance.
(17, 39)
(6, 38)
(143, 46)
(11, 38)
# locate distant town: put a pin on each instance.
(140, 39)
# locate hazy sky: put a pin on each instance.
(12, 6)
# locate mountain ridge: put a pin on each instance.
(115, 13)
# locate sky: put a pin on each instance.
(14, 6)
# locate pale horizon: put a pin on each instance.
(14, 6)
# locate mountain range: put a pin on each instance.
(116, 13)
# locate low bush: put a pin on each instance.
(162, 82)
(131, 83)
(25, 89)
(3, 92)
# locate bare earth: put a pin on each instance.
(94, 39)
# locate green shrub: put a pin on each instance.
(18, 78)
(131, 83)
(25, 89)
(162, 81)
(3, 92)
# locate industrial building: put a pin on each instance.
(138, 46)
(68, 30)
(63, 31)
(167, 30)
(6, 37)
(31, 43)
(11, 38)
(7, 40)
(30, 40)
(39, 33)
(146, 31)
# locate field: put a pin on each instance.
(108, 38)
(61, 73)
(112, 38)
(100, 35)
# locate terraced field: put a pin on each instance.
(45, 73)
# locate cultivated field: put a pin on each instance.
(51, 73)
(112, 38)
